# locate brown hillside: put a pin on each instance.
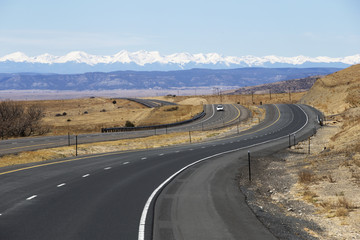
(336, 92)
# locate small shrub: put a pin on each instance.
(341, 212)
(331, 179)
(58, 115)
(86, 112)
(310, 196)
(64, 114)
(345, 203)
(129, 124)
(171, 109)
(306, 177)
(69, 120)
(114, 102)
(103, 110)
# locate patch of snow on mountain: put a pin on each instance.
(142, 58)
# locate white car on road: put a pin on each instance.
(220, 108)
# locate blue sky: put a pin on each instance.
(229, 27)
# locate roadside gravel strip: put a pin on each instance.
(204, 201)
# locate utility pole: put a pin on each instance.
(289, 95)
(270, 92)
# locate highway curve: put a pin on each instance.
(212, 119)
(108, 196)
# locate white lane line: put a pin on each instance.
(0, 214)
(32, 197)
(107, 168)
(177, 151)
(61, 185)
(124, 163)
(202, 147)
(161, 154)
(141, 232)
(86, 175)
(191, 149)
(143, 158)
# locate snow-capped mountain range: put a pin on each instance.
(153, 60)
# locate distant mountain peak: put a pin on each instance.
(153, 60)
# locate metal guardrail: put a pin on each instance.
(127, 129)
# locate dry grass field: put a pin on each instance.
(89, 115)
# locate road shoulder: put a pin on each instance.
(202, 191)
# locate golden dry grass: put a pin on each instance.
(170, 114)
(336, 92)
(89, 115)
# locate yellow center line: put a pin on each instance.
(236, 116)
(278, 118)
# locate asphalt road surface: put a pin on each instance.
(117, 195)
(233, 113)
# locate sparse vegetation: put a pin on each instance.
(306, 177)
(19, 121)
(129, 124)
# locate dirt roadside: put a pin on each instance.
(306, 196)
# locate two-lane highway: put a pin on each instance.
(106, 196)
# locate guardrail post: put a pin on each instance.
(294, 140)
(190, 136)
(309, 146)
(249, 160)
(289, 141)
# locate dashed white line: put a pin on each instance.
(202, 147)
(107, 168)
(161, 154)
(86, 175)
(32, 197)
(143, 158)
(191, 149)
(124, 163)
(61, 185)
(177, 151)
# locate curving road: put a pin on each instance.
(108, 196)
(232, 114)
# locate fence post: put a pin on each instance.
(190, 136)
(249, 166)
(76, 143)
